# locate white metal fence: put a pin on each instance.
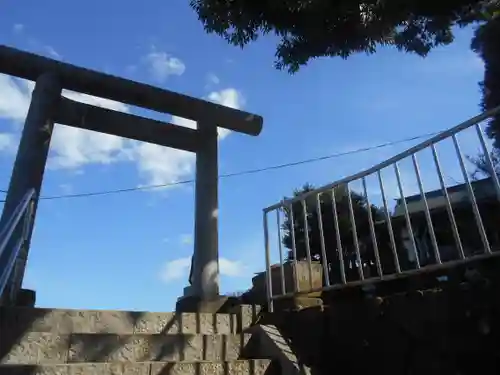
(338, 226)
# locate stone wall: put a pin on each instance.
(452, 329)
(259, 281)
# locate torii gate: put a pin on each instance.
(49, 107)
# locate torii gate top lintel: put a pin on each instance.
(30, 66)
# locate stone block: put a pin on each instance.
(108, 369)
(299, 302)
(195, 304)
(38, 347)
(190, 323)
(82, 321)
(35, 370)
(269, 342)
(78, 369)
(246, 316)
(117, 322)
(35, 347)
(241, 367)
(26, 297)
(289, 270)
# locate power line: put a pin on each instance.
(241, 173)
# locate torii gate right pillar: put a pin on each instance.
(206, 250)
(203, 294)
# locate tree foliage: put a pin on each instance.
(308, 29)
(296, 220)
(361, 211)
(313, 28)
(482, 166)
(486, 44)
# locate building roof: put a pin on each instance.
(482, 188)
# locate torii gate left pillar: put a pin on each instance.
(29, 166)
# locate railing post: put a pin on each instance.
(206, 247)
(29, 166)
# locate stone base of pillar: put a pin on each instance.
(26, 298)
(221, 304)
(188, 291)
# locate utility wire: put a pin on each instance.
(241, 173)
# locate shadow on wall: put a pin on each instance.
(451, 330)
(84, 336)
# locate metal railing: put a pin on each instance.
(349, 241)
(13, 238)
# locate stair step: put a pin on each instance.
(241, 367)
(43, 347)
(120, 322)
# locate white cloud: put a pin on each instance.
(179, 268)
(175, 269)
(131, 69)
(73, 148)
(34, 43)
(52, 52)
(18, 28)
(70, 147)
(15, 98)
(186, 239)
(229, 97)
(66, 188)
(445, 62)
(231, 268)
(162, 65)
(161, 165)
(94, 100)
(212, 79)
(7, 142)
(181, 121)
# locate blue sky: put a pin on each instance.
(131, 250)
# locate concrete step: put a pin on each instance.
(242, 367)
(52, 348)
(123, 322)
